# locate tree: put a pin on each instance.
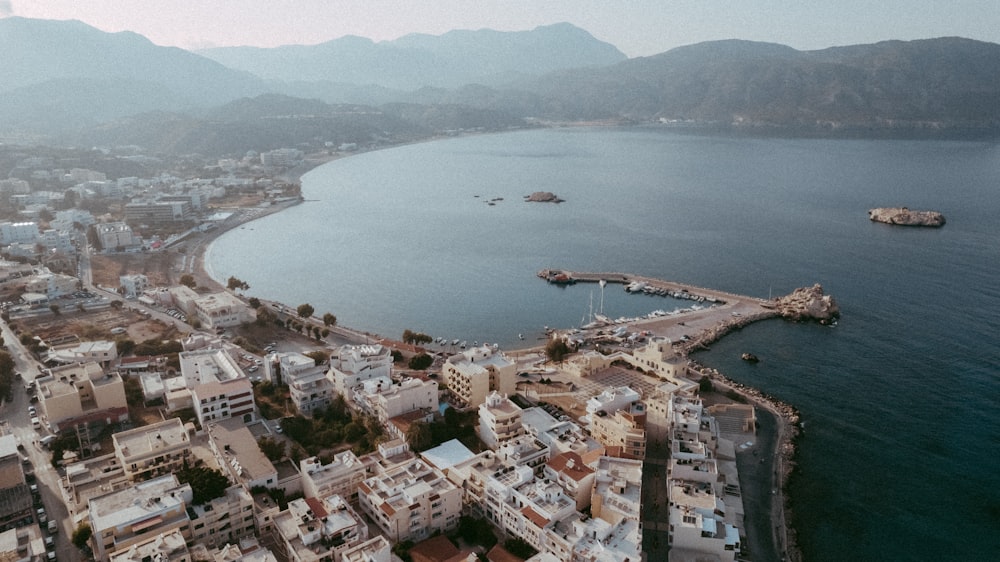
(273, 449)
(54, 308)
(188, 280)
(305, 310)
(329, 319)
(318, 356)
(254, 302)
(557, 349)
(419, 436)
(705, 385)
(124, 346)
(81, 535)
(236, 284)
(420, 361)
(206, 483)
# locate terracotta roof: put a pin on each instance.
(534, 516)
(434, 549)
(384, 506)
(570, 464)
(317, 507)
(501, 554)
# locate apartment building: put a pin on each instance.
(411, 501)
(319, 529)
(133, 515)
(385, 399)
(82, 392)
(133, 284)
(15, 497)
(524, 506)
(617, 490)
(22, 544)
(499, 420)
(102, 352)
(236, 450)
(15, 232)
(158, 211)
(340, 476)
(353, 364)
(309, 387)
(116, 235)
(184, 297)
(223, 520)
(474, 373)
(697, 522)
(573, 476)
(168, 546)
(222, 310)
(376, 549)
(218, 387)
(624, 429)
(153, 450)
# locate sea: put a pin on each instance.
(900, 401)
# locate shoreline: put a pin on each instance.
(787, 416)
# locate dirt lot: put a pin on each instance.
(107, 268)
(96, 325)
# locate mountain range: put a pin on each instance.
(66, 82)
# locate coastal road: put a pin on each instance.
(756, 467)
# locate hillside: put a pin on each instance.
(450, 60)
(66, 82)
(931, 84)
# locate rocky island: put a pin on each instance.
(905, 217)
(543, 197)
(807, 303)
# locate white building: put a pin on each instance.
(217, 386)
(133, 284)
(499, 420)
(384, 399)
(114, 235)
(411, 501)
(340, 476)
(237, 452)
(132, 515)
(353, 364)
(319, 529)
(14, 232)
(309, 388)
(222, 310)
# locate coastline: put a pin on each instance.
(787, 417)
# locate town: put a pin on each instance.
(153, 414)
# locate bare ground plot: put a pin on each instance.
(107, 268)
(93, 325)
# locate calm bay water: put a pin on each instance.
(899, 460)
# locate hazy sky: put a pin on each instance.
(638, 27)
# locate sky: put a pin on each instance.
(636, 27)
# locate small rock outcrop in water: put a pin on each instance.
(808, 303)
(905, 217)
(543, 197)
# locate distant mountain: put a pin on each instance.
(929, 85)
(273, 121)
(68, 82)
(450, 60)
(64, 73)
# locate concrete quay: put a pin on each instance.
(694, 327)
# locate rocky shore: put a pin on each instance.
(902, 216)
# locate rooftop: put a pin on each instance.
(143, 441)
